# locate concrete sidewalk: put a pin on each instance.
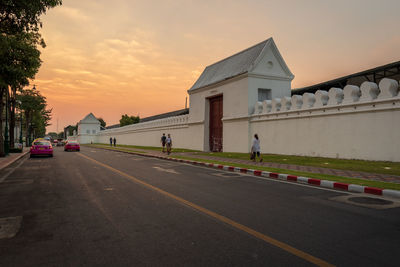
(311, 169)
(11, 158)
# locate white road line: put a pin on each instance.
(165, 170)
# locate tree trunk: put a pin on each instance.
(27, 128)
(2, 90)
(12, 121)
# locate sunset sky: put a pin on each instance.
(140, 57)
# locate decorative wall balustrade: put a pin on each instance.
(176, 121)
(368, 92)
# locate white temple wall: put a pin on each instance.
(236, 135)
(369, 136)
(279, 89)
(365, 124)
(351, 123)
(149, 133)
(86, 138)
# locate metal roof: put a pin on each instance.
(166, 115)
(230, 67)
(372, 75)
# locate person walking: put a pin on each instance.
(163, 141)
(169, 144)
(111, 140)
(255, 149)
(115, 141)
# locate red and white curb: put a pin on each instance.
(286, 177)
(300, 179)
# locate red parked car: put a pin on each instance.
(72, 145)
(41, 147)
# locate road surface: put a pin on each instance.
(107, 208)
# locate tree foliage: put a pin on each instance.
(19, 25)
(60, 135)
(19, 56)
(127, 120)
(23, 15)
(37, 117)
(70, 129)
(19, 60)
(102, 122)
(53, 135)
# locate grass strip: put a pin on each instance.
(116, 148)
(153, 148)
(382, 167)
(348, 180)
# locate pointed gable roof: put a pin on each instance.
(240, 63)
(90, 118)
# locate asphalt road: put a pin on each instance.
(105, 208)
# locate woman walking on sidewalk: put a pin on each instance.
(255, 149)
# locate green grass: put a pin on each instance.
(149, 147)
(116, 148)
(383, 167)
(305, 174)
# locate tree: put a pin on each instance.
(23, 15)
(19, 61)
(60, 135)
(70, 130)
(102, 122)
(127, 120)
(53, 135)
(19, 57)
(37, 117)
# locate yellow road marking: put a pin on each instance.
(270, 240)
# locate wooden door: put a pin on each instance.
(216, 124)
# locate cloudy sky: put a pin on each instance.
(140, 57)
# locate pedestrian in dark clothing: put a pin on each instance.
(111, 141)
(169, 144)
(163, 141)
(115, 141)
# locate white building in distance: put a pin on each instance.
(88, 128)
